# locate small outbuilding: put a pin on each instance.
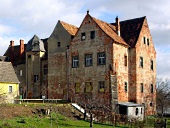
(132, 110)
(9, 83)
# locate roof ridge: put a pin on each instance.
(118, 39)
(67, 24)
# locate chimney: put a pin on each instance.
(11, 51)
(21, 47)
(117, 26)
(11, 43)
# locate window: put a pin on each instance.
(141, 87)
(125, 60)
(20, 72)
(151, 88)
(101, 86)
(88, 87)
(144, 40)
(126, 88)
(151, 104)
(10, 88)
(148, 41)
(141, 62)
(88, 60)
(83, 36)
(75, 61)
(141, 111)
(59, 44)
(151, 64)
(92, 34)
(45, 69)
(137, 111)
(77, 87)
(101, 58)
(35, 78)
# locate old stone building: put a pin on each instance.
(30, 64)
(113, 63)
(110, 64)
(58, 45)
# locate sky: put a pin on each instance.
(22, 19)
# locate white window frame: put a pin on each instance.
(88, 60)
(10, 89)
(75, 61)
(101, 58)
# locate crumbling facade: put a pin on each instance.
(103, 63)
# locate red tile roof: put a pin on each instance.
(70, 28)
(109, 30)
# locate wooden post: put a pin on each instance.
(91, 120)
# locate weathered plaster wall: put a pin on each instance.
(146, 75)
(57, 62)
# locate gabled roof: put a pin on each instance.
(7, 73)
(70, 28)
(107, 28)
(130, 30)
(35, 44)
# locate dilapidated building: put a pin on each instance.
(112, 64)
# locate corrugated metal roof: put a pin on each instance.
(7, 73)
(130, 104)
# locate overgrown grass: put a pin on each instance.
(55, 120)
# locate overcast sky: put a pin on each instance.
(21, 19)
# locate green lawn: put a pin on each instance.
(57, 121)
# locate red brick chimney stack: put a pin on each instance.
(11, 43)
(11, 51)
(21, 47)
(117, 26)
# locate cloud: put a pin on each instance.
(23, 19)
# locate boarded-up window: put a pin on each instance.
(101, 86)
(88, 87)
(77, 87)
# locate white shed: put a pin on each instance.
(132, 110)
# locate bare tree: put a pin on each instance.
(162, 95)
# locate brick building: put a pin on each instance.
(111, 64)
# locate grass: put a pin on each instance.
(54, 121)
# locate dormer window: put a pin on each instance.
(83, 36)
